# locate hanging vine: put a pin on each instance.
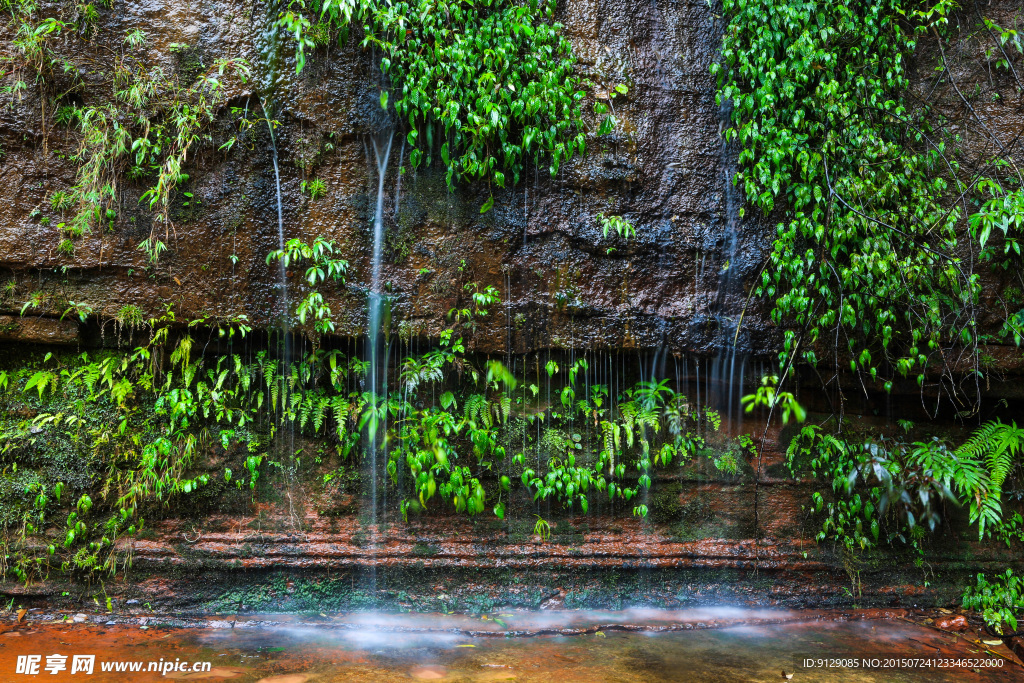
(866, 268)
(486, 87)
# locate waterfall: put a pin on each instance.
(280, 226)
(381, 152)
(724, 384)
(377, 305)
(287, 433)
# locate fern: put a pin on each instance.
(611, 435)
(340, 409)
(40, 381)
(628, 411)
(305, 410)
(998, 444)
(322, 404)
(275, 392)
(477, 411)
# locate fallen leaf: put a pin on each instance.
(21, 615)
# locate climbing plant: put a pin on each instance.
(881, 490)
(1002, 217)
(146, 131)
(323, 265)
(489, 85)
(485, 86)
(865, 266)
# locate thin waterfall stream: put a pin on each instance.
(376, 314)
(651, 358)
(724, 385)
(287, 435)
(282, 270)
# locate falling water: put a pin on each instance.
(724, 383)
(287, 433)
(280, 225)
(377, 372)
(381, 152)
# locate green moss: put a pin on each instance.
(188, 62)
(695, 519)
(14, 492)
(665, 507)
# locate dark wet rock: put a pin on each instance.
(540, 246)
(1016, 644)
(36, 330)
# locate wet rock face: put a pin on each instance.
(664, 169)
(38, 330)
(673, 287)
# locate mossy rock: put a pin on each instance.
(665, 506)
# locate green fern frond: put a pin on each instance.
(998, 445)
(340, 409)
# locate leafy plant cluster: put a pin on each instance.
(489, 84)
(870, 266)
(135, 419)
(323, 266)
(617, 224)
(883, 490)
(485, 86)
(865, 265)
(426, 434)
(1000, 601)
(589, 447)
(1002, 216)
(146, 132)
(452, 434)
